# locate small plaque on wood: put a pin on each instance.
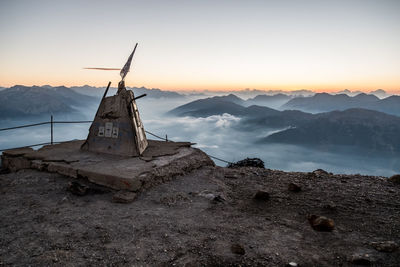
(115, 132)
(101, 131)
(108, 130)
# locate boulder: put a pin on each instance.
(395, 179)
(247, 162)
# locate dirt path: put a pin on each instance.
(208, 217)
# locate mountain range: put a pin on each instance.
(360, 128)
(273, 101)
(151, 93)
(23, 101)
(320, 102)
(356, 127)
(31, 101)
(378, 92)
(251, 93)
(212, 105)
(323, 102)
(218, 105)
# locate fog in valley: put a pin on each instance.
(217, 135)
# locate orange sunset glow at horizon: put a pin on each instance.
(211, 86)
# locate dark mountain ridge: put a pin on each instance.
(23, 101)
(207, 107)
(155, 92)
(361, 128)
(324, 102)
(217, 106)
(151, 93)
(230, 98)
(31, 101)
(273, 101)
(367, 129)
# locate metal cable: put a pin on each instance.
(41, 123)
(72, 121)
(219, 159)
(162, 138)
(24, 126)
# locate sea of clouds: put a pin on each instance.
(216, 135)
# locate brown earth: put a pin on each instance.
(207, 217)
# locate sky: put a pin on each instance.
(203, 45)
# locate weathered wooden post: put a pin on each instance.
(51, 129)
(117, 128)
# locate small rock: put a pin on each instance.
(231, 176)
(248, 162)
(210, 196)
(207, 195)
(360, 259)
(330, 206)
(124, 197)
(395, 179)
(294, 187)
(292, 264)
(261, 195)
(385, 246)
(77, 189)
(321, 223)
(238, 249)
(218, 199)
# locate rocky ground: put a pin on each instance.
(208, 217)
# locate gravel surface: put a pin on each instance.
(208, 217)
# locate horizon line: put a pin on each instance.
(226, 90)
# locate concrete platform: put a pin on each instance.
(161, 162)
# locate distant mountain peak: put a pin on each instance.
(24, 101)
(365, 96)
(379, 91)
(230, 98)
(324, 102)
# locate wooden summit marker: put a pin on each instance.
(117, 128)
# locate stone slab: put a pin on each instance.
(161, 162)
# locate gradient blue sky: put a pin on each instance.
(222, 45)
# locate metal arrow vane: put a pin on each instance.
(124, 70)
(92, 68)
